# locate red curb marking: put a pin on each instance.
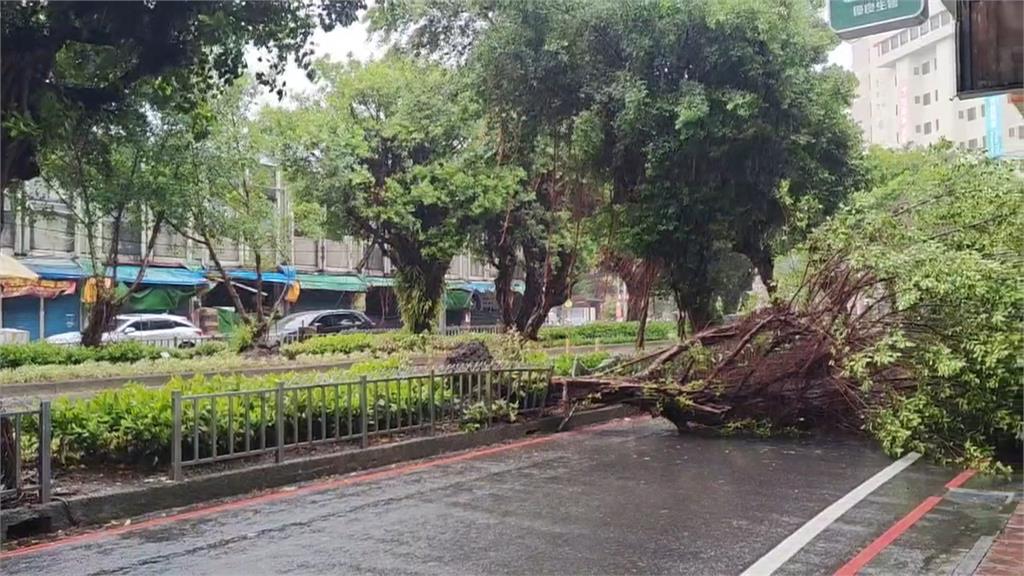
(896, 530)
(283, 494)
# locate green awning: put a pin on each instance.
(457, 299)
(378, 281)
(157, 298)
(346, 283)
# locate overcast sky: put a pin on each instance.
(341, 43)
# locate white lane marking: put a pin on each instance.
(786, 549)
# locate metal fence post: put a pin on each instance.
(432, 401)
(279, 423)
(488, 396)
(44, 451)
(364, 408)
(176, 435)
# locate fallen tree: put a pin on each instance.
(905, 325)
(782, 365)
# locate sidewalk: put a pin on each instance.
(1006, 557)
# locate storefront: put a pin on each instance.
(43, 307)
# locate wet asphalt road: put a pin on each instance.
(633, 498)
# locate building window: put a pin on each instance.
(946, 18)
(917, 99)
(904, 38)
(1020, 132)
(924, 29)
(926, 99)
(894, 43)
(927, 127)
(913, 33)
(1013, 131)
(926, 68)
(169, 244)
(935, 63)
(52, 232)
(971, 114)
(885, 47)
(9, 223)
(972, 143)
(934, 21)
(982, 110)
(936, 124)
(936, 95)
(960, 114)
(916, 70)
(917, 129)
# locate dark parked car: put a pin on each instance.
(304, 324)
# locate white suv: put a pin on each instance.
(159, 329)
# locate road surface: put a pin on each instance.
(632, 497)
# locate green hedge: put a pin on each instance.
(607, 332)
(390, 343)
(43, 353)
(133, 425)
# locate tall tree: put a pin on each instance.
(228, 198)
(720, 123)
(107, 172)
(394, 153)
(529, 88)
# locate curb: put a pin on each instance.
(156, 380)
(92, 510)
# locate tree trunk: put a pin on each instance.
(557, 286)
(641, 333)
(505, 263)
(419, 288)
(7, 448)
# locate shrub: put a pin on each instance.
(585, 363)
(607, 332)
(133, 425)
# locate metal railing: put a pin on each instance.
(223, 426)
(456, 330)
(28, 431)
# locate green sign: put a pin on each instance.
(856, 18)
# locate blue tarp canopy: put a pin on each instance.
(55, 269)
(268, 277)
(154, 276)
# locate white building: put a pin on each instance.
(907, 92)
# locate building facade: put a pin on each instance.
(43, 233)
(907, 93)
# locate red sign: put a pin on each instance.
(38, 288)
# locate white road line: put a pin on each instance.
(786, 549)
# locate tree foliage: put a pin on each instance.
(945, 233)
(393, 153)
(91, 54)
(227, 200)
(718, 122)
(514, 55)
(107, 172)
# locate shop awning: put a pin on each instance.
(55, 269)
(378, 281)
(458, 299)
(344, 283)
(11, 269)
(268, 277)
(154, 275)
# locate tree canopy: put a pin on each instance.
(91, 54)
(393, 152)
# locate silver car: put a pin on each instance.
(158, 329)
